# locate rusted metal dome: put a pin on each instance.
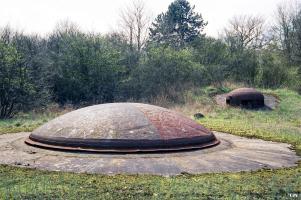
(245, 97)
(122, 127)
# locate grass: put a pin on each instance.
(33, 184)
(24, 123)
(27, 122)
(282, 124)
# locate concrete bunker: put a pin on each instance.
(122, 127)
(246, 98)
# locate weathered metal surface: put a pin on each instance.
(232, 155)
(122, 127)
(245, 97)
(172, 125)
(125, 146)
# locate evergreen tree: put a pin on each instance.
(178, 26)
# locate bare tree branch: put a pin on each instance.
(248, 31)
(134, 23)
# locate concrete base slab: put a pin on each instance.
(234, 154)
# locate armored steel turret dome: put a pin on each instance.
(245, 97)
(122, 127)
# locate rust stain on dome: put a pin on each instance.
(122, 127)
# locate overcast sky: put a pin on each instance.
(41, 16)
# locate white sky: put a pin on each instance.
(41, 16)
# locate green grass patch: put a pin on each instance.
(282, 124)
(25, 122)
(21, 183)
